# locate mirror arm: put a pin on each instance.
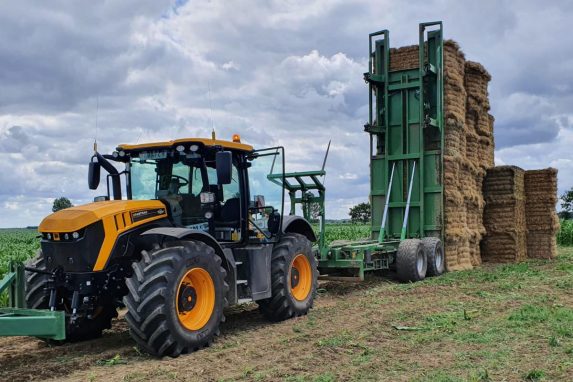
(115, 181)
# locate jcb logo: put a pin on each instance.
(146, 214)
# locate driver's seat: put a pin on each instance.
(170, 196)
(229, 214)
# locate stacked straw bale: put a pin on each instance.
(504, 215)
(468, 151)
(541, 217)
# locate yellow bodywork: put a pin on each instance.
(116, 215)
(205, 141)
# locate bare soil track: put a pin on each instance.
(509, 323)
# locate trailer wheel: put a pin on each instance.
(294, 279)
(176, 298)
(411, 264)
(434, 251)
(38, 297)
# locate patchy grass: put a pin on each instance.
(496, 323)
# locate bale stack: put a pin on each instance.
(468, 153)
(468, 150)
(542, 220)
(504, 215)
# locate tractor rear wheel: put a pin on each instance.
(434, 251)
(85, 328)
(411, 264)
(176, 298)
(293, 278)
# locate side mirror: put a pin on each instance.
(94, 175)
(224, 163)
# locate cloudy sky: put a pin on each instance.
(283, 72)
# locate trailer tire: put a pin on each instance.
(411, 264)
(434, 251)
(38, 298)
(168, 283)
(292, 263)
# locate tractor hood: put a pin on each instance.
(75, 218)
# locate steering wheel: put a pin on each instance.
(179, 179)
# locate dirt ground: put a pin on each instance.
(496, 323)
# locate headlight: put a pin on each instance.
(193, 148)
(49, 236)
(208, 215)
(75, 235)
(180, 148)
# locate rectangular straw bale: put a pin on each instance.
(542, 221)
(504, 183)
(504, 215)
(541, 245)
(506, 247)
(405, 57)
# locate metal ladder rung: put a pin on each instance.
(238, 262)
(244, 300)
(240, 282)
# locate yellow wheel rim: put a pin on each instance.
(195, 299)
(300, 276)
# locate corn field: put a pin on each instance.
(344, 232)
(565, 234)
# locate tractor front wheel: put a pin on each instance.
(293, 278)
(411, 263)
(176, 298)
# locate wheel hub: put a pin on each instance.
(420, 262)
(294, 277)
(187, 298)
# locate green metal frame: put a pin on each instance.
(300, 187)
(406, 133)
(17, 321)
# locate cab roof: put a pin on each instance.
(168, 144)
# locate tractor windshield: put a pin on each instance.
(181, 181)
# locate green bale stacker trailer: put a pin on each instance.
(406, 131)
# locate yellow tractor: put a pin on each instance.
(187, 228)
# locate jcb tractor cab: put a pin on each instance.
(187, 227)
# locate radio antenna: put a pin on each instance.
(211, 107)
(96, 126)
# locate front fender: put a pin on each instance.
(192, 234)
(297, 224)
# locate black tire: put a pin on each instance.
(434, 251)
(411, 264)
(153, 297)
(282, 304)
(38, 297)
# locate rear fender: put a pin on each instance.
(297, 224)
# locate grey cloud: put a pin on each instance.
(278, 73)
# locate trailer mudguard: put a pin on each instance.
(297, 224)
